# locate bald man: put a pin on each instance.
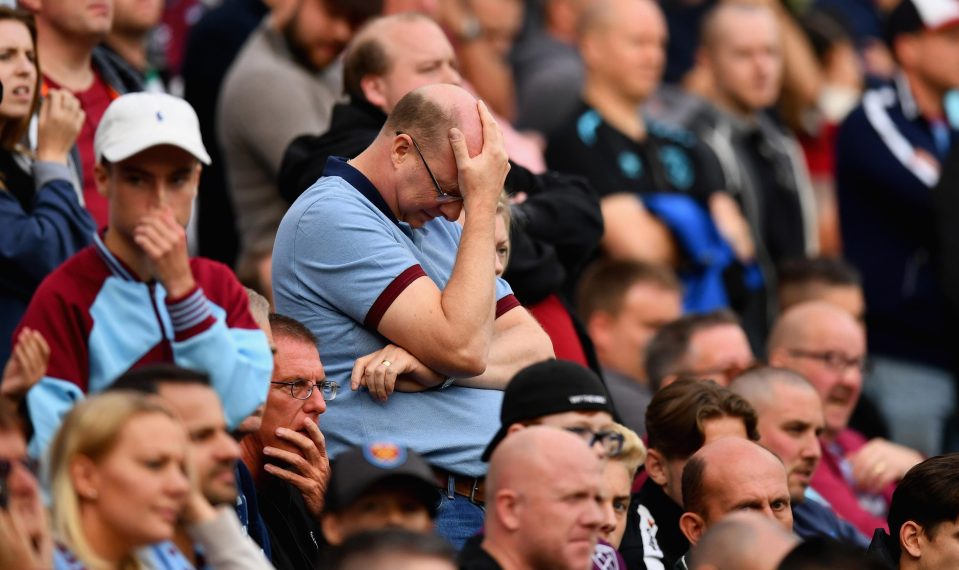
(825, 344)
(541, 474)
(733, 474)
(372, 252)
(790, 417)
(744, 541)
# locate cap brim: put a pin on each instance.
(127, 148)
(500, 435)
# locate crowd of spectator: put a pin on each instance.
(479, 284)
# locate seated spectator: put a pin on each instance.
(387, 261)
(287, 454)
(742, 540)
(540, 474)
(68, 35)
(25, 541)
(923, 518)
(711, 346)
(821, 279)
(827, 346)
(395, 549)
(761, 163)
(561, 394)
(381, 485)
(214, 456)
(135, 297)
(681, 418)
(564, 395)
(889, 158)
(618, 475)
(118, 476)
(42, 218)
(834, 281)
(557, 219)
(297, 47)
(790, 424)
(658, 185)
(729, 475)
(624, 303)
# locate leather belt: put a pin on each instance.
(473, 488)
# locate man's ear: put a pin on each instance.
(513, 428)
(332, 530)
(32, 6)
(507, 507)
(374, 91)
(656, 467)
(693, 527)
(101, 175)
(598, 328)
(910, 539)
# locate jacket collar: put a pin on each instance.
(113, 263)
(908, 102)
(338, 166)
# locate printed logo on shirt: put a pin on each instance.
(652, 554)
(630, 165)
(679, 169)
(604, 557)
(385, 454)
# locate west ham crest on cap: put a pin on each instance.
(385, 454)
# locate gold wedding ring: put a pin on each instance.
(879, 468)
(387, 363)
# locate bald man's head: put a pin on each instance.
(743, 540)
(733, 474)
(395, 54)
(538, 474)
(623, 44)
(827, 346)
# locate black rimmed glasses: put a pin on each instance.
(835, 360)
(303, 389)
(440, 194)
(611, 441)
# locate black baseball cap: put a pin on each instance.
(549, 387)
(357, 470)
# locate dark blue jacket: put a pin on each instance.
(812, 519)
(35, 239)
(885, 169)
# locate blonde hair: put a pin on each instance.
(633, 454)
(91, 430)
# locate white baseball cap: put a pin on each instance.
(137, 121)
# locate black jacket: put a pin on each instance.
(296, 539)
(656, 538)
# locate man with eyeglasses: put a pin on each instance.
(287, 454)
(826, 345)
(558, 394)
(404, 300)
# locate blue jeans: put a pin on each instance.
(458, 519)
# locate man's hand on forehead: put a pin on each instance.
(481, 177)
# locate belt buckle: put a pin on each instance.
(473, 488)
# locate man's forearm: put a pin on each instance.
(521, 342)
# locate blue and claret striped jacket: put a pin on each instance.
(101, 320)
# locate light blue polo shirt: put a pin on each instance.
(339, 259)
